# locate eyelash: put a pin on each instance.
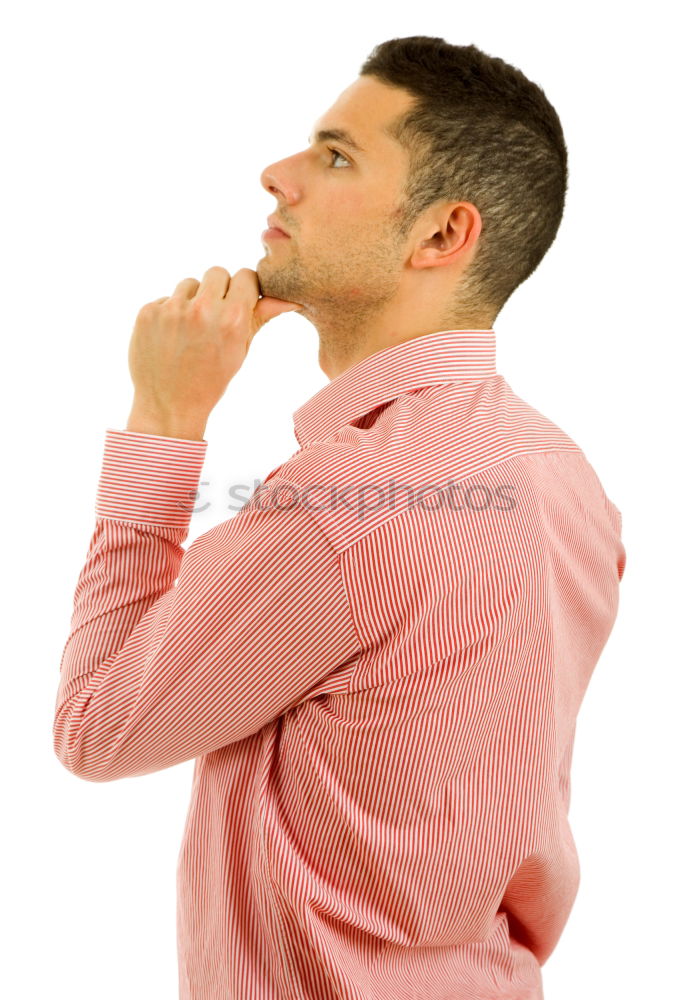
(338, 153)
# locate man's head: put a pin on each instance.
(451, 201)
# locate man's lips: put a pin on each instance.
(274, 224)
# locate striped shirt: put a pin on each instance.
(376, 664)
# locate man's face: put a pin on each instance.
(338, 206)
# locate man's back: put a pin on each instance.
(411, 835)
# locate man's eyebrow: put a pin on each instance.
(337, 135)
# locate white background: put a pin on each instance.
(135, 136)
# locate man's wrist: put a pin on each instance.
(145, 421)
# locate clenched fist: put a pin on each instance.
(186, 348)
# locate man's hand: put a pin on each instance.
(186, 348)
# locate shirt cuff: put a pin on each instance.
(149, 479)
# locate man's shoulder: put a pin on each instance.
(357, 478)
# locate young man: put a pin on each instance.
(377, 664)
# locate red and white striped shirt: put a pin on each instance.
(377, 665)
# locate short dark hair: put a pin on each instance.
(479, 131)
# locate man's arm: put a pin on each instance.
(174, 654)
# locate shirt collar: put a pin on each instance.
(431, 359)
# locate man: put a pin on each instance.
(377, 664)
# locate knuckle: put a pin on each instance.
(235, 312)
(199, 313)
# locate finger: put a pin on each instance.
(186, 289)
(244, 287)
(215, 282)
(269, 307)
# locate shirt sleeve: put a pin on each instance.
(173, 654)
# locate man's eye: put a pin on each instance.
(336, 152)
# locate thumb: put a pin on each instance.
(268, 307)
